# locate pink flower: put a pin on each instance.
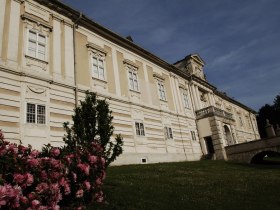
(74, 176)
(98, 181)
(103, 161)
(67, 189)
(44, 175)
(29, 179)
(24, 199)
(31, 196)
(55, 152)
(13, 148)
(92, 159)
(33, 162)
(55, 163)
(35, 203)
(99, 197)
(87, 185)
(11, 195)
(3, 191)
(84, 168)
(19, 178)
(34, 153)
(54, 188)
(80, 193)
(103, 175)
(42, 187)
(3, 151)
(22, 148)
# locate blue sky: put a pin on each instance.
(238, 39)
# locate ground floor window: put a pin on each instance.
(168, 133)
(139, 129)
(193, 136)
(35, 113)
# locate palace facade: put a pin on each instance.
(50, 54)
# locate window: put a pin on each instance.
(35, 114)
(139, 129)
(98, 67)
(240, 121)
(168, 133)
(249, 123)
(161, 90)
(193, 136)
(36, 45)
(133, 80)
(186, 100)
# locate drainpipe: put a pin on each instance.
(75, 61)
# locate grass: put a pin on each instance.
(202, 185)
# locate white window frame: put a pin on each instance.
(133, 78)
(161, 90)
(139, 129)
(100, 58)
(36, 114)
(168, 132)
(37, 43)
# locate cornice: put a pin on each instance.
(225, 97)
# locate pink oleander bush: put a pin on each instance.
(53, 178)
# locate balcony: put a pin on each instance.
(213, 111)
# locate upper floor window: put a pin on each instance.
(98, 65)
(186, 100)
(240, 121)
(98, 70)
(36, 46)
(161, 90)
(139, 129)
(168, 133)
(35, 113)
(133, 79)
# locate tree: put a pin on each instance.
(270, 112)
(93, 124)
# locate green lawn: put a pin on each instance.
(193, 185)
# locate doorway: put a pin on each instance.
(209, 145)
(228, 135)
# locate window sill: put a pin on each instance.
(36, 59)
(135, 91)
(100, 80)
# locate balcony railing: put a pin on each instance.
(213, 111)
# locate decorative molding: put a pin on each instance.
(158, 76)
(95, 47)
(183, 87)
(60, 19)
(35, 20)
(37, 90)
(130, 63)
